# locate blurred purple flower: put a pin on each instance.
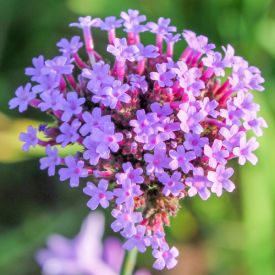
(165, 257)
(29, 138)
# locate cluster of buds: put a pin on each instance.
(152, 130)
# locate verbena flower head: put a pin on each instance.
(153, 129)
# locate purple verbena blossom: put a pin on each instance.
(71, 106)
(30, 138)
(69, 47)
(99, 194)
(125, 221)
(51, 161)
(181, 158)
(216, 153)
(165, 258)
(162, 76)
(158, 161)
(244, 150)
(195, 142)
(53, 100)
(24, 96)
(162, 27)
(68, 133)
(172, 184)
(220, 179)
(74, 171)
(38, 65)
(198, 184)
(137, 240)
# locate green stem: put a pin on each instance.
(129, 262)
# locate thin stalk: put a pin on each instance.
(129, 262)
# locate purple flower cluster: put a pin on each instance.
(152, 129)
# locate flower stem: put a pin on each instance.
(129, 262)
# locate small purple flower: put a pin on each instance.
(157, 161)
(162, 111)
(134, 175)
(57, 66)
(127, 192)
(74, 171)
(132, 21)
(214, 60)
(189, 79)
(244, 150)
(38, 65)
(53, 100)
(111, 23)
(181, 158)
(24, 96)
(100, 195)
(149, 51)
(162, 27)
(255, 124)
(98, 77)
(220, 180)
(69, 47)
(172, 184)
(122, 51)
(165, 258)
(116, 93)
(86, 22)
(95, 120)
(153, 140)
(132, 16)
(232, 136)
(72, 106)
(138, 82)
(68, 133)
(198, 43)
(209, 107)
(195, 142)
(190, 119)
(106, 141)
(162, 76)
(91, 153)
(244, 102)
(51, 160)
(170, 38)
(137, 240)
(198, 184)
(216, 153)
(144, 123)
(47, 83)
(125, 221)
(29, 138)
(232, 114)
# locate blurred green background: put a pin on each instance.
(231, 235)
